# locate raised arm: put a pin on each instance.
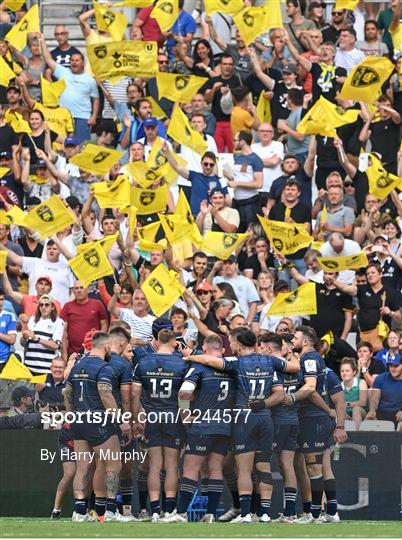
(112, 305)
(206, 360)
(185, 173)
(14, 295)
(46, 53)
(84, 19)
(302, 60)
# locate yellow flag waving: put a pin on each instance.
(263, 108)
(17, 122)
(302, 301)
(117, 59)
(6, 73)
(95, 159)
(50, 217)
(178, 88)
(14, 5)
(106, 243)
(131, 212)
(3, 260)
(286, 238)
(364, 82)
(181, 131)
(147, 238)
(337, 264)
(223, 6)
(162, 289)
(381, 182)
(183, 209)
(16, 216)
(51, 91)
(253, 21)
(112, 194)
(149, 201)
(4, 171)
(14, 370)
(176, 228)
(165, 12)
(91, 265)
(324, 117)
(222, 245)
(157, 110)
(17, 36)
(109, 20)
(346, 4)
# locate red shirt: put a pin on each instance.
(150, 29)
(81, 318)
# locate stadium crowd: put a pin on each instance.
(215, 319)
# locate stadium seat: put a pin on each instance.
(350, 425)
(377, 425)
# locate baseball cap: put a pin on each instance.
(46, 297)
(382, 236)
(161, 323)
(21, 392)
(232, 258)
(14, 86)
(5, 155)
(151, 121)
(204, 286)
(280, 284)
(71, 141)
(290, 68)
(394, 360)
(46, 278)
(40, 164)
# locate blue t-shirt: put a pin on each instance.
(254, 376)
(249, 159)
(52, 393)
(279, 184)
(391, 393)
(86, 374)
(78, 93)
(184, 24)
(313, 365)
(213, 399)
(161, 376)
(287, 414)
(201, 185)
(7, 326)
(122, 374)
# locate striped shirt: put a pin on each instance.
(119, 93)
(141, 327)
(38, 357)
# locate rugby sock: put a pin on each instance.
(204, 487)
(170, 504)
(155, 507)
(100, 505)
(215, 488)
(126, 490)
(330, 494)
(264, 507)
(187, 489)
(231, 481)
(80, 506)
(111, 505)
(290, 501)
(307, 507)
(141, 478)
(245, 504)
(254, 502)
(317, 489)
(90, 501)
(162, 477)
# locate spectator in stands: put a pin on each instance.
(244, 115)
(216, 215)
(23, 400)
(298, 24)
(297, 143)
(8, 332)
(386, 394)
(347, 55)
(148, 25)
(12, 268)
(391, 347)
(355, 391)
(372, 44)
(339, 218)
(63, 52)
(369, 366)
(339, 246)
(316, 13)
(331, 31)
(51, 391)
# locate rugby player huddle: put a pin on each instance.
(203, 419)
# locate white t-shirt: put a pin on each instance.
(350, 248)
(276, 148)
(38, 357)
(194, 160)
(59, 272)
(141, 327)
(244, 288)
(348, 59)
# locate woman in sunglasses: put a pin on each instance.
(43, 336)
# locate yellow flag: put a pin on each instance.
(147, 238)
(117, 59)
(17, 36)
(14, 370)
(288, 212)
(106, 243)
(50, 217)
(51, 91)
(157, 111)
(180, 130)
(302, 301)
(6, 73)
(91, 265)
(165, 12)
(365, 80)
(4, 171)
(149, 201)
(263, 108)
(17, 122)
(323, 218)
(96, 159)
(16, 216)
(3, 259)
(109, 20)
(254, 21)
(346, 4)
(381, 182)
(230, 7)
(222, 245)
(112, 194)
(162, 289)
(337, 264)
(131, 212)
(14, 5)
(183, 209)
(176, 228)
(134, 3)
(178, 88)
(286, 238)
(324, 117)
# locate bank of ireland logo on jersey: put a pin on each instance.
(45, 213)
(364, 76)
(92, 258)
(157, 286)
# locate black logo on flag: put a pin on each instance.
(100, 156)
(147, 198)
(166, 7)
(364, 76)
(100, 51)
(181, 82)
(92, 257)
(157, 286)
(45, 213)
(229, 240)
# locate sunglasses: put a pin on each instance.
(206, 164)
(202, 293)
(163, 62)
(44, 305)
(348, 184)
(337, 13)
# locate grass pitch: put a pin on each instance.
(44, 528)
